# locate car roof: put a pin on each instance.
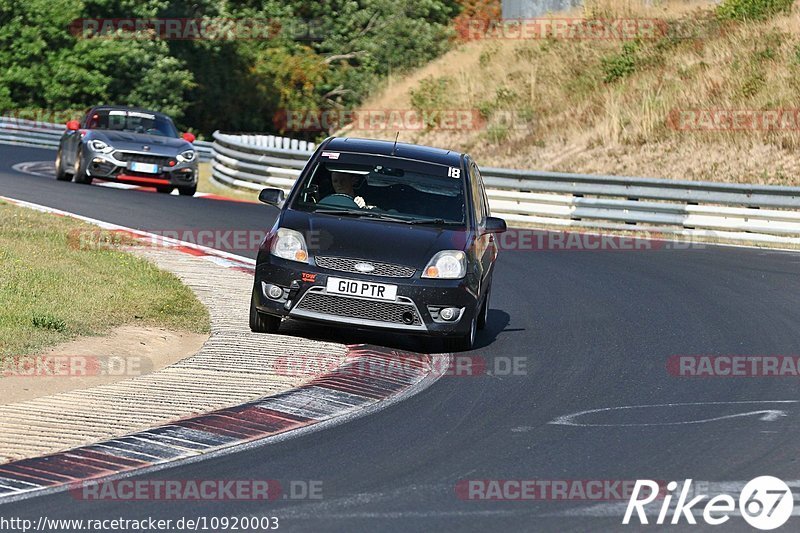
(126, 108)
(389, 148)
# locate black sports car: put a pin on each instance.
(380, 235)
(128, 145)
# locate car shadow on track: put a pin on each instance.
(496, 323)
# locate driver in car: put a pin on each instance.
(344, 183)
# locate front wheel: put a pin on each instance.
(61, 174)
(259, 322)
(80, 175)
(483, 316)
(187, 191)
(464, 343)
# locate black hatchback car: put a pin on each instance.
(380, 235)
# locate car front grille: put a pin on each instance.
(341, 306)
(103, 168)
(159, 160)
(344, 264)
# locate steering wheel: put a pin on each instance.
(339, 200)
(309, 195)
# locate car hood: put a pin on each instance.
(361, 238)
(134, 142)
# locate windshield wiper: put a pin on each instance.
(383, 216)
(359, 213)
(437, 221)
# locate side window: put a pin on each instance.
(484, 198)
(478, 207)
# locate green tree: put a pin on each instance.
(46, 61)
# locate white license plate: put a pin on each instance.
(144, 167)
(364, 289)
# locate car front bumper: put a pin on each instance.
(414, 311)
(109, 167)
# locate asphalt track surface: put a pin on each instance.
(595, 330)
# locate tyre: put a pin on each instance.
(187, 191)
(259, 322)
(465, 342)
(79, 175)
(483, 316)
(164, 190)
(61, 174)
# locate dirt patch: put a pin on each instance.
(128, 351)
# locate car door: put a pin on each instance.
(493, 247)
(484, 242)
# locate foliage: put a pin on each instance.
(477, 16)
(322, 55)
(620, 65)
(431, 98)
(431, 95)
(752, 9)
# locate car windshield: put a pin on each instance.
(385, 188)
(132, 121)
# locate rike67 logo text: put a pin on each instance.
(765, 503)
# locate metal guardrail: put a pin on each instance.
(46, 135)
(739, 212)
(734, 212)
(258, 161)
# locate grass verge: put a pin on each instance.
(204, 184)
(53, 290)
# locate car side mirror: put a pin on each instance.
(189, 137)
(272, 197)
(495, 225)
(73, 125)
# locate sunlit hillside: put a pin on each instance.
(652, 106)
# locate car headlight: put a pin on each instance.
(447, 264)
(289, 244)
(187, 156)
(100, 146)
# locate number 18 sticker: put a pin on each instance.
(453, 172)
